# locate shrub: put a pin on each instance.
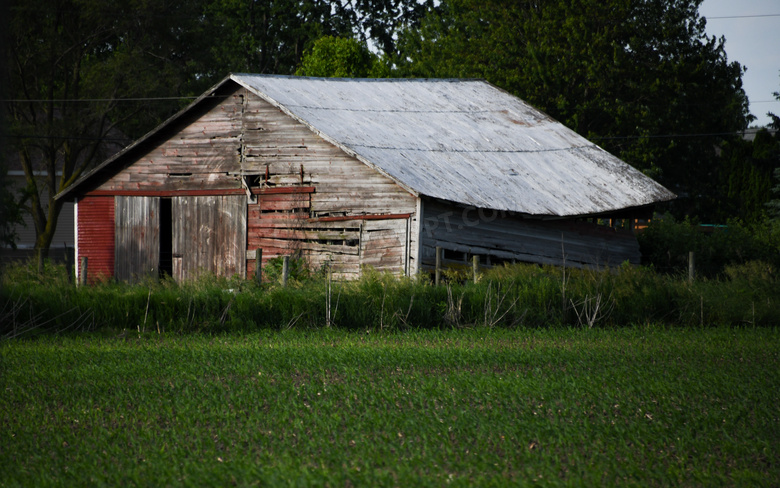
(665, 245)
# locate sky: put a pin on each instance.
(752, 34)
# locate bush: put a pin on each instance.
(665, 245)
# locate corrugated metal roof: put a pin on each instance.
(464, 141)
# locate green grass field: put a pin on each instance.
(637, 406)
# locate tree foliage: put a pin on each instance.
(338, 57)
(745, 176)
(774, 204)
(70, 62)
(639, 77)
(271, 36)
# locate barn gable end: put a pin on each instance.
(235, 174)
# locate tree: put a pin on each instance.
(745, 177)
(340, 58)
(639, 77)
(9, 208)
(272, 36)
(70, 64)
(262, 36)
(380, 21)
(774, 204)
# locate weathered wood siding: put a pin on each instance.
(209, 234)
(500, 237)
(384, 244)
(96, 236)
(347, 220)
(195, 153)
(308, 197)
(137, 237)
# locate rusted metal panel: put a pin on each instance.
(137, 237)
(510, 237)
(463, 141)
(95, 229)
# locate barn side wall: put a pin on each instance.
(499, 237)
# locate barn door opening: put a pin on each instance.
(166, 237)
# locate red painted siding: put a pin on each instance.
(96, 236)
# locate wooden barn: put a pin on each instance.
(355, 173)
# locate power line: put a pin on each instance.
(650, 136)
(669, 136)
(96, 100)
(742, 16)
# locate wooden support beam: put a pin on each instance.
(69, 264)
(438, 265)
(83, 271)
(691, 266)
(259, 266)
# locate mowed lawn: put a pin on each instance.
(637, 406)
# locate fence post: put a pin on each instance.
(285, 270)
(83, 271)
(69, 265)
(259, 266)
(691, 266)
(438, 265)
(475, 266)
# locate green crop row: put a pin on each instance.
(635, 406)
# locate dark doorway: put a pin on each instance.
(166, 237)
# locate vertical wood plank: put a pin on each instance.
(259, 266)
(137, 241)
(209, 234)
(83, 272)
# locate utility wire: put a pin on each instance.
(73, 100)
(650, 136)
(742, 16)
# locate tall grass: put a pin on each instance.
(509, 296)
